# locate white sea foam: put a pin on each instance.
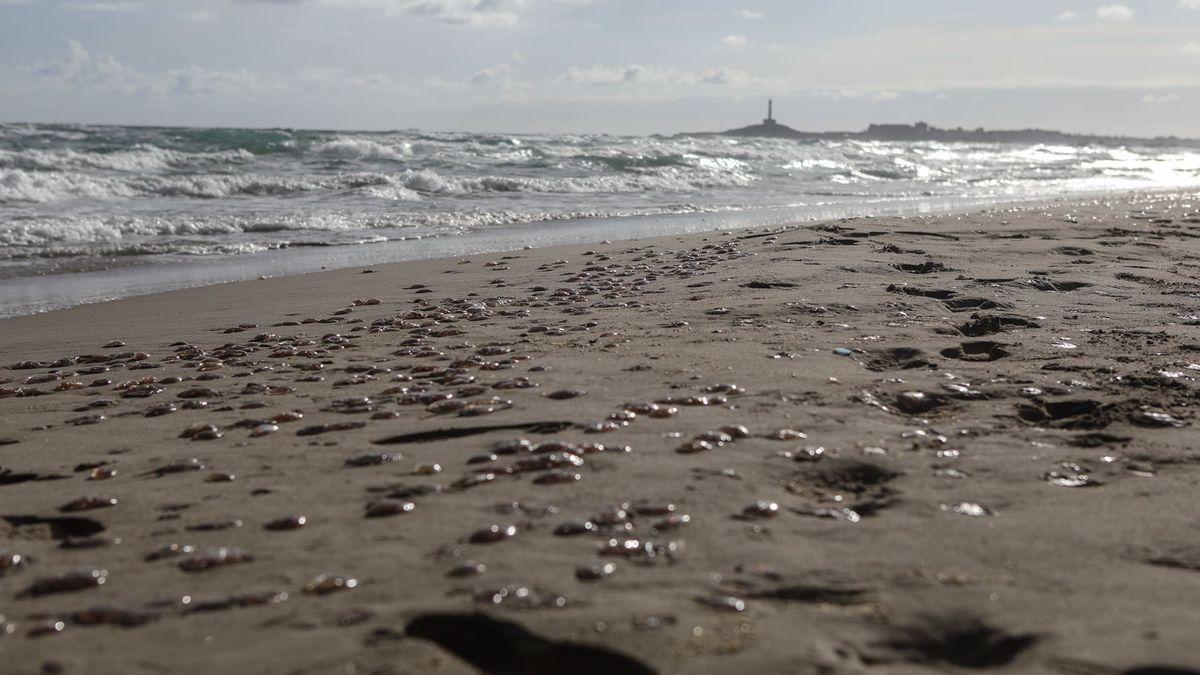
(45, 186)
(100, 234)
(408, 185)
(362, 148)
(141, 158)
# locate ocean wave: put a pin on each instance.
(25, 185)
(362, 148)
(57, 236)
(619, 161)
(118, 250)
(96, 229)
(392, 192)
(18, 185)
(216, 187)
(667, 179)
(259, 142)
(135, 159)
(47, 131)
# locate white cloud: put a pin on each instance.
(1069, 15)
(752, 15)
(1189, 4)
(1160, 98)
(470, 12)
(1114, 13)
(85, 72)
(736, 40)
(1191, 48)
(474, 12)
(604, 76)
(667, 83)
(664, 82)
(1088, 55)
(81, 70)
(81, 6)
(498, 75)
(201, 81)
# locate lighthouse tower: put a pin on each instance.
(770, 120)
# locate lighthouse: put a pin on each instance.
(770, 120)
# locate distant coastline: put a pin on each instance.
(770, 128)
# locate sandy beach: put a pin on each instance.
(881, 445)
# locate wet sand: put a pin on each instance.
(871, 446)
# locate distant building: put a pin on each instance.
(918, 131)
(770, 120)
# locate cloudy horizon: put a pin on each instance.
(611, 66)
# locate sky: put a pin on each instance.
(604, 66)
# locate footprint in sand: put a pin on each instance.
(990, 324)
(898, 358)
(927, 267)
(844, 488)
(935, 293)
(496, 646)
(953, 640)
(972, 304)
(981, 350)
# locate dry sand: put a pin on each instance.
(998, 468)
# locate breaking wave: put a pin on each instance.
(55, 186)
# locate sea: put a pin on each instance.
(92, 213)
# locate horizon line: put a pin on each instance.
(382, 130)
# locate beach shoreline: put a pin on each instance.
(892, 439)
(93, 280)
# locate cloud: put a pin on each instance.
(736, 40)
(1087, 55)
(474, 12)
(1114, 13)
(197, 81)
(604, 76)
(123, 6)
(82, 72)
(1192, 48)
(1160, 98)
(1069, 15)
(752, 15)
(659, 77)
(718, 76)
(1189, 4)
(662, 83)
(468, 12)
(496, 76)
